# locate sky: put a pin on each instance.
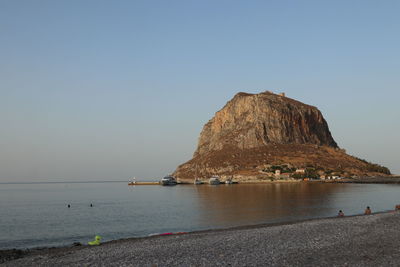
(108, 90)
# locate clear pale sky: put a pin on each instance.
(108, 90)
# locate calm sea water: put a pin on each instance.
(34, 215)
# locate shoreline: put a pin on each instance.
(362, 180)
(38, 256)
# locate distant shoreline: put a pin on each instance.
(372, 239)
(366, 180)
(363, 180)
(64, 182)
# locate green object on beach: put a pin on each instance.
(96, 241)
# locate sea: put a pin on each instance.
(37, 214)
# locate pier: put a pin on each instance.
(144, 183)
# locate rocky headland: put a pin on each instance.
(270, 136)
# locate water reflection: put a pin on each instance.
(256, 203)
(37, 215)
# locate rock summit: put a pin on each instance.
(254, 132)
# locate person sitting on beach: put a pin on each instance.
(340, 214)
(367, 211)
(96, 241)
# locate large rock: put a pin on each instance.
(253, 131)
(255, 120)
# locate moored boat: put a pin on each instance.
(214, 180)
(130, 182)
(168, 180)
(198, 181)
(229, 181)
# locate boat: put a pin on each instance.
(214, 180)
(130, 182)
(198, 181)
(229, 181)
(168, 180)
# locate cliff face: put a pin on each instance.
(256, 120)
(254, 131)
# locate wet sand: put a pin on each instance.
(372, 240)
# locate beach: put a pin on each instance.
(365, 240)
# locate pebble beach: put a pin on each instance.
(364, 240)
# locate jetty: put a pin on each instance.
(144, 183)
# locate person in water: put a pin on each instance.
(340, 214)
(367, 211)
(91, 205)
(69, 206)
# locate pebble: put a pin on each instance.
(350, 241)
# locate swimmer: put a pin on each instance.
(367, 211)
